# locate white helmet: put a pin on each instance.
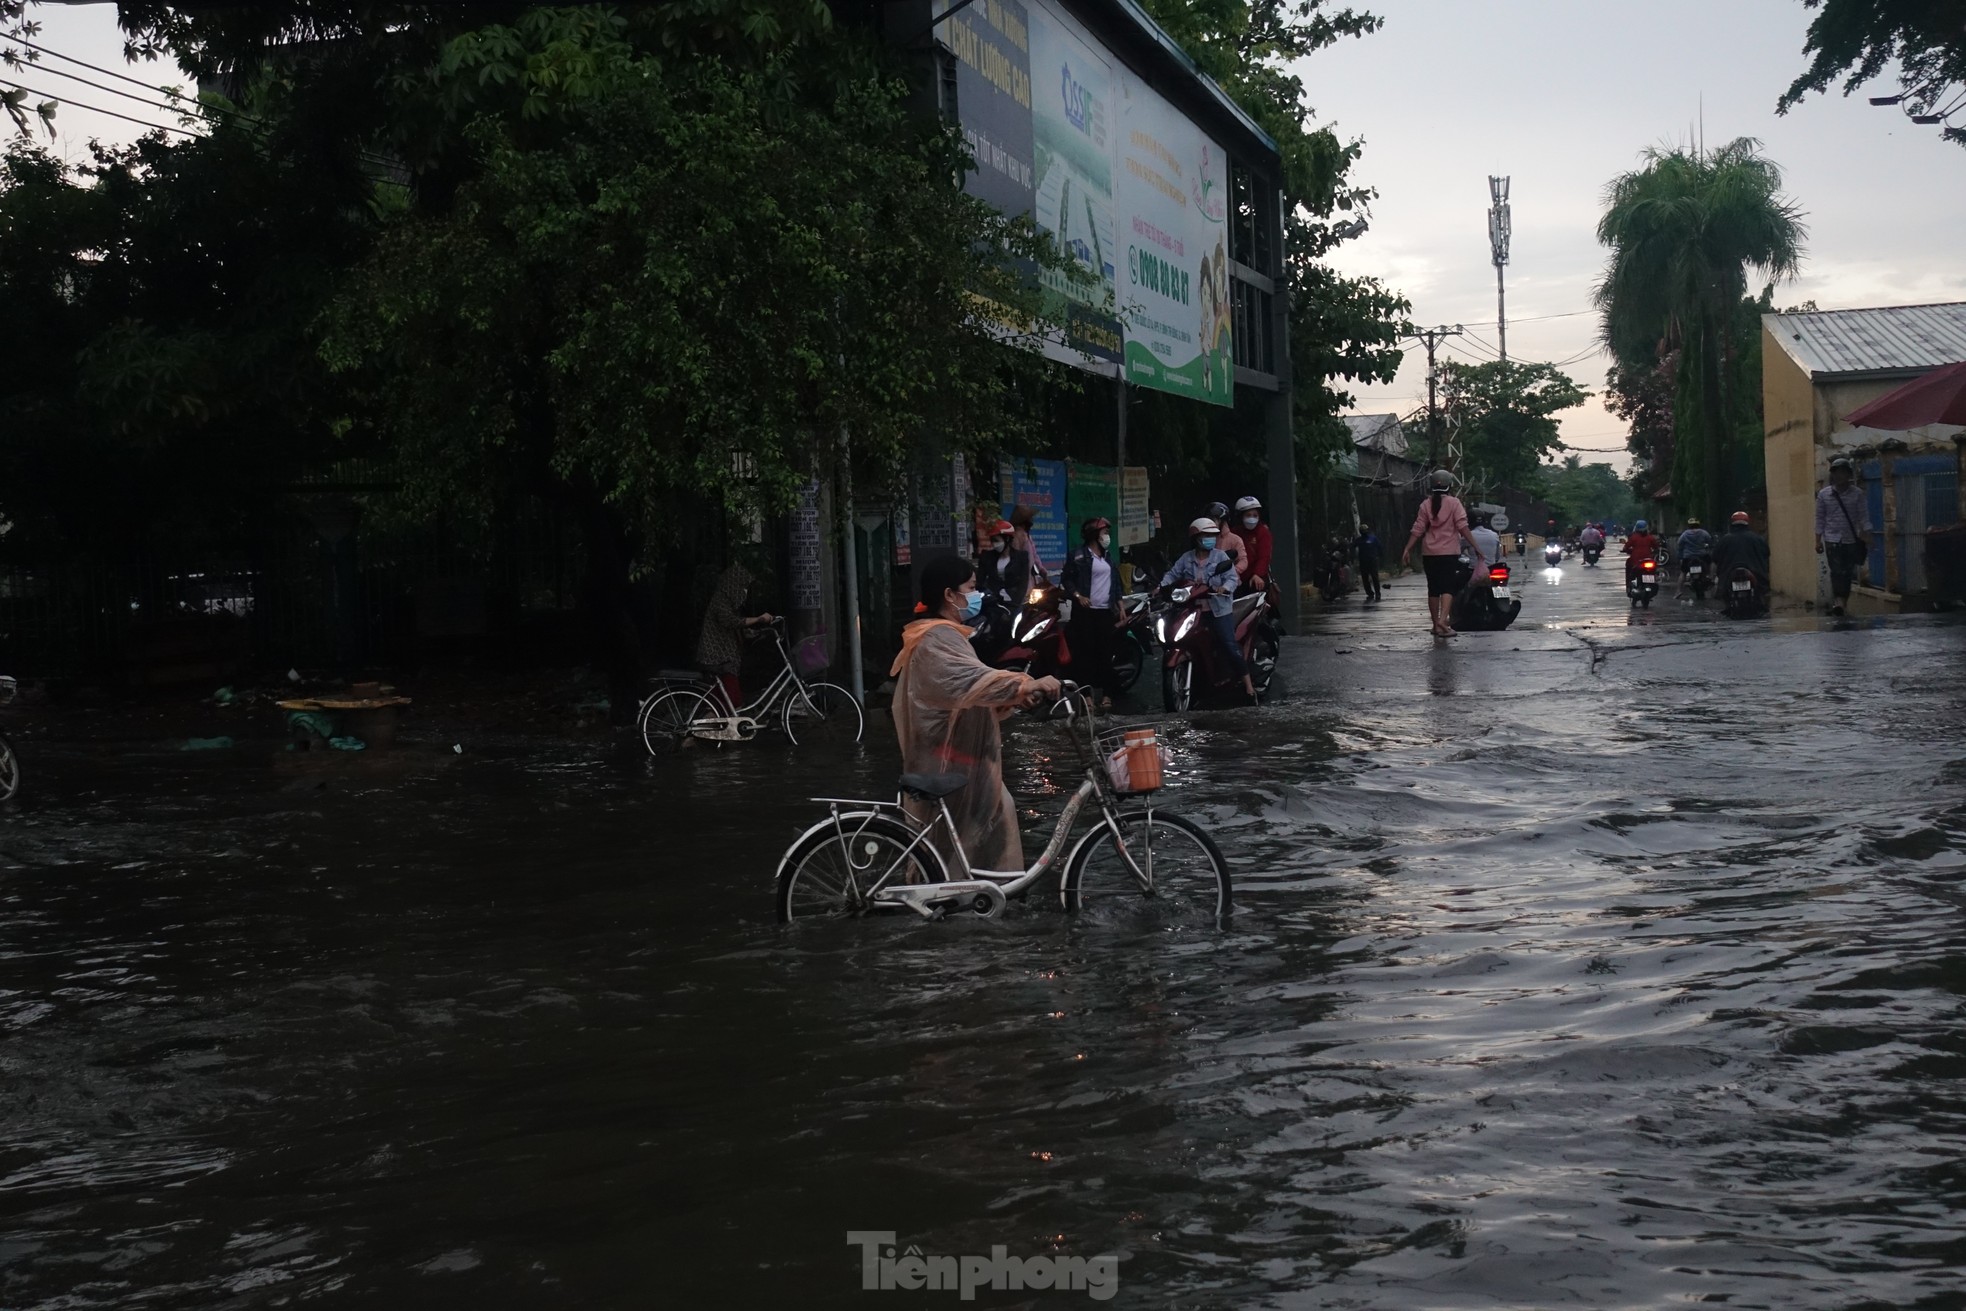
(1248, 503)
(1201, 526)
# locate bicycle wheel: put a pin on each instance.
(828, 872)
(826, 715)
(1189, 876)
(9, 770)
(667, 718)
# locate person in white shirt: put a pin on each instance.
(1090, 581)
(1488, 545)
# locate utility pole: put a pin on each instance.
(1431, 338)
(1498, 249)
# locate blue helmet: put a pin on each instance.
(1639, 526)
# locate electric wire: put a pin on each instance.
(171, 102)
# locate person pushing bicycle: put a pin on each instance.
(948, 706)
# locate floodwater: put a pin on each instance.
(1613, 961)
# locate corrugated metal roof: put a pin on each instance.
(1896, 339)
(1380, 432)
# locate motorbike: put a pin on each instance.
(1192, 670)
(1486, 604)
(1133, 645)
(1591, 556)
(1334, 577)
(1552, 555)
(1698, 571)
(1744, 597)
(1642, 583)
(1029, 639)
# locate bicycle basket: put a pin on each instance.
(1135, 758)
(810, 654)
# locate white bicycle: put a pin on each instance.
(873, 856)
(809, 713)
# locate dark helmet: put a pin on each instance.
(1091, 529)
(1217, 511)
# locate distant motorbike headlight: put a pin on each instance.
(1186, 626)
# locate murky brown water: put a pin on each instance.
(1586, 964)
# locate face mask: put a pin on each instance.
(1208, 543)
(1105, 540)
(1250, 521)
(992, 547)
(972, 604)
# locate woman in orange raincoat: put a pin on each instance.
(947, 705)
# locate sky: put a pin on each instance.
(1561, 96)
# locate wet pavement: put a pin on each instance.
(1612, 961)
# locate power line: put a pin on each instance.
(171, 103)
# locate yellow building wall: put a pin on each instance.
(1789, 420)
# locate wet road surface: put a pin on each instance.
(1612, 961)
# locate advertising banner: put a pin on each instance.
(1134, 519)
(1171, 193)
(1095, 494)
(1130, 189)
(1041, 485)
(1072, 122)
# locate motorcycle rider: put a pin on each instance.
(1695, 543)
(1208, 568)
(1641, 545)
(1592, 538)
(1003, 572)
(1521, 542)
(1742, 548)
(1091, 580)
(1255, 565)
(1228, 540)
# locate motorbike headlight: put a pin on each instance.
(1187, 625)
(1036, 597)
(1180, 594)
(1160, 631)
(1036, 630)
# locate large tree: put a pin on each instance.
(1856, 40)
(1684, 231)
(1506, 413)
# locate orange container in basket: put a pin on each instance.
(1142, 760)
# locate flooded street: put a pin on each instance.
(1612, 961)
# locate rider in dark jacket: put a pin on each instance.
(1741, 548)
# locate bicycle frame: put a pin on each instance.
(749, 718)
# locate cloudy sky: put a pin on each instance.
(1561, 95)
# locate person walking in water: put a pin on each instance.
(1438, 530)
(1366, 547)
(1842, 519)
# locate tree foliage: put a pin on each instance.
(1856, 40)
(1684, 231)
(1582, 493)
(1506, 414)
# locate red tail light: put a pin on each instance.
(1499, 574)
(1649, 565)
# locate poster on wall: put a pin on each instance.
(1135, 522)
(1171, 193)
(1041, 485)
(992, 46)
(1094, 494)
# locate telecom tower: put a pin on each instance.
(1498, 249)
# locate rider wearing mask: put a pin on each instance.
(1092, 582)
(1255, 564)
(1741, 548)
(947, 707)
(1695, 543)
(1207, 567)
(1641, 545)
(1227, 540)
(1005, 570)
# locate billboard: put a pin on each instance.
(1041, 485)
(1128, 186)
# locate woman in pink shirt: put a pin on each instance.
(1439, 530)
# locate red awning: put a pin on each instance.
(1937, 397)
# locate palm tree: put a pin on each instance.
(1684, 230)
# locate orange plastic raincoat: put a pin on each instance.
(947, 705)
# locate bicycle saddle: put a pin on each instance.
(933, 787)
